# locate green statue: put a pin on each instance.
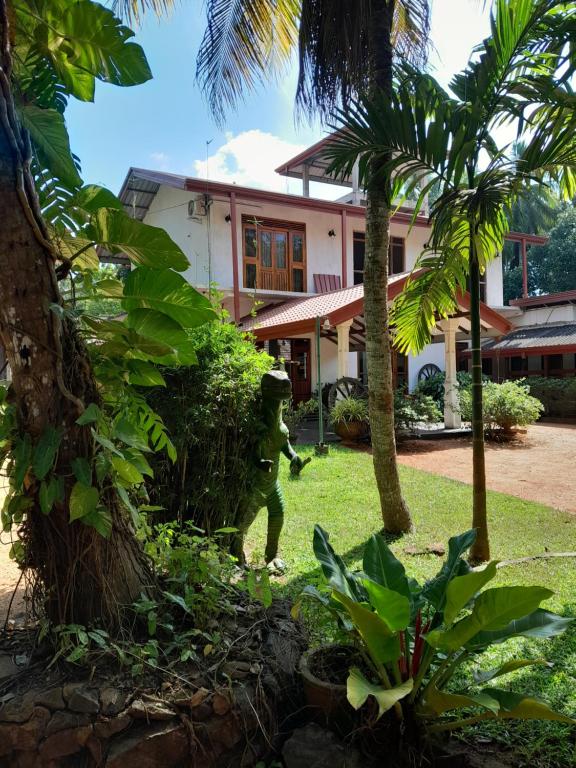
(264, 487)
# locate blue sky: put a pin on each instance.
(165, 123)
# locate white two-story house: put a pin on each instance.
(287, 264)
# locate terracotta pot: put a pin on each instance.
(351, 431)
(327, 700)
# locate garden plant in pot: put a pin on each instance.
(349, 417)
(412, 639)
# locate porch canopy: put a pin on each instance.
(342, 322)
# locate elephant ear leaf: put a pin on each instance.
(517, 706)
(333, 567)
(48, 132)
(381, 566)
(358, 689)
(435, 590)
(462, 589)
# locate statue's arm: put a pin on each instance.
(296, 462)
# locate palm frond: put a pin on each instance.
(134, 10)
(245, 42)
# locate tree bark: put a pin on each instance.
(80, 576)
(395, 513)
(480, 550)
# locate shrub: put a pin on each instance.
(294, 415)
(212, 413)
(410, 410)
(558, 396)
(350, 409)
(434, 386)
(505, 406)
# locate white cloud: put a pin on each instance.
(161, 160)
(249, 159)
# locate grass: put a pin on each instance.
(339, 493)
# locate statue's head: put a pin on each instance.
(276, 385)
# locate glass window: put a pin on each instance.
(281, 249)
(298, 248)
(266, 249)
(516, 364)
(250, 242)
(250, 275)
(396, 256)
(358, 253)
(298, 280)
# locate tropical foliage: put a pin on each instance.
(552, 267)
(350, 409)
(410, 410)
(76, 480)
(415, 638)
(505, 406)
(426, 137)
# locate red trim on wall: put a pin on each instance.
(493, 318)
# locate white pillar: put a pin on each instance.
(452, 418)
(356, 196)
(305, 180)
(343, 347)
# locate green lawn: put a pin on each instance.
(339, 493)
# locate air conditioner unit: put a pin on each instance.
(197, 207)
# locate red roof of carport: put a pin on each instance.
(298, 316)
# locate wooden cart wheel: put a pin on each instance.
(344, 388)
(427, 371)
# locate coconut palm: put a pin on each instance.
(345, 48)
(425, 137)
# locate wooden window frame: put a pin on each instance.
(359, 236)
(266, 275)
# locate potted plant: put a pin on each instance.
(349, 418)
(413, 638)
(293, 415)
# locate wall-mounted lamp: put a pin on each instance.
(331, 233)
(228, 218)
(326, 324)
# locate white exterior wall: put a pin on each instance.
(563, 313)
(433, 353)
(495, 283)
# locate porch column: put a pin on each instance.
(234, 236)
(343, 347)
(305, 180)
(356, 184)
(524, 269)
(344, 281)
(452, 418)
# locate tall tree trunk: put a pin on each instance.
(480, 550)
(82, 576)
(395, 513)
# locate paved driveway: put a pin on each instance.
(538, 466)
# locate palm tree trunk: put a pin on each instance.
(395, 513)
(480, 550)
(80, 576)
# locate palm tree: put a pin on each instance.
(424, 136)
(345, 48)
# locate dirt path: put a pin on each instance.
(538, 466)
(9, 575)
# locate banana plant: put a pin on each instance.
(414, 638)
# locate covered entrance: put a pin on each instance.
(295, 355)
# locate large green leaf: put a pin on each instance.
(539, 624)
(518, 706)
(167, 293)
(333, 567)
(83, 500)
(159, 327)
(45, 451)
(381, 566)
(392, 607)
(144, 374)
(101, 520)
(50, 138)
(85, 37)
(506, 668)
(438, 702)
(92, 197)
(493, 610)
(141, 243)
(358, 689)
(463, 588)
(382, 644)
(127, 471)
(435, 590)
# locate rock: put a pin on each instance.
(52, 698)
(28, 735)
(65, 742)
(62, 721)
(221, 703)
(318, 747)
(105, 729)
(236, 670)
(84, 700)
(18, 710)
(7, 667)
(201, 713)
(164, 744)
(69, 689)
(6, 746)
(112, 701)
(199, 696)
(154, 709)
